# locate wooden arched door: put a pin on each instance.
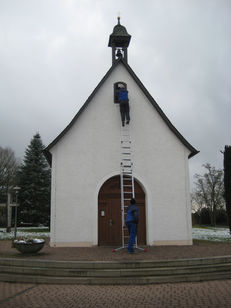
(109, 213)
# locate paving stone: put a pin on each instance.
(212, 294)
(106, 254)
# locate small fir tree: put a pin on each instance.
(227, 182)
(34, 180)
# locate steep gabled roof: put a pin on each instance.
(192, 150)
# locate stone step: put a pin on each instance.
(135, 272)
(114, 280)
(114, 272)
(114, 264)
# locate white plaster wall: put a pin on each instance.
(89, 153)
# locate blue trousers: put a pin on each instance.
(124, 111)
(132, 229)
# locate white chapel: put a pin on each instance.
(86, 166)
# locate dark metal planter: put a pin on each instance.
(29, 247)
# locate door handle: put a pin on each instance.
(110, 222)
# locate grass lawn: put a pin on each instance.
(199, 233)
(207, 233)
(31, 232)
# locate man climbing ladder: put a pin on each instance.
(124, 104)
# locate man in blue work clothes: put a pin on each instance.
(132, 220)
(124, 104)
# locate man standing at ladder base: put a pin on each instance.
(132, 220)
(124, 104)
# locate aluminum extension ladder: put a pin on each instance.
(126, 183)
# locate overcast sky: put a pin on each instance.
(53, 53)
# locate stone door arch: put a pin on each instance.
(109, 213)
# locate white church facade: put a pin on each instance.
(85, 160)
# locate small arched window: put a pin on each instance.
(116, 89)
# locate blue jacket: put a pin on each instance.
(123, 95)
(132, 213)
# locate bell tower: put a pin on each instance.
(119, 41)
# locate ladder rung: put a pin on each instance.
(127, 185)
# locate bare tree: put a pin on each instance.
(197, 203)
(8, 169)
(209, 190)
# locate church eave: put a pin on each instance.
(47, 152)
(192, 150)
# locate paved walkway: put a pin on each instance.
(198, 250)
(212, 294)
